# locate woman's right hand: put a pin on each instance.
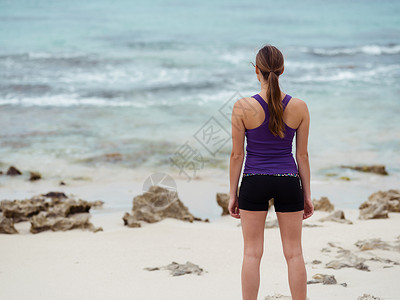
(308, 209)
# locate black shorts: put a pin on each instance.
(256, 191)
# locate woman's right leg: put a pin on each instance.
(290, 225)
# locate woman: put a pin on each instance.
(270, 120)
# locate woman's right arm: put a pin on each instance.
(301, 150)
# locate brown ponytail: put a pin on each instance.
(270, 62)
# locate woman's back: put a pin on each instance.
(265, 152)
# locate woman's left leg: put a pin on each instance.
(253, 224)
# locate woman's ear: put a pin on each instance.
(257, 70)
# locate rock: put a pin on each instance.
(179, 269)
(377, 210)
(270, 203)
(23, 210)
(223, 201)
(130, 221)
(326, 250)
(43, 222)
(345, 178)
(391, 197)
(368, 297)
(346, 259)
(62, 183)
(13, 171)
(379, 204)
(325, 279)
(96, 204)
(69, 207)
(316, 262)
(385, 260)
(7, 225)
(323, 204)
(376, 243)
(56, 195)
(51, 211)
(159, 203)
(336, 216)
(378, 169)
(35, 176)
(1, 172)
(337, 264)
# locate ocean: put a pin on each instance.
(131, 84)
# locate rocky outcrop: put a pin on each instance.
(323, 278)
(55, 195)
(52, 211)
(378, 169)
(391, 197)
(43, 221)
(323, 204)
(179, 269)
(377, 243)
(156, 204)
(35, 176)
(336, 216)
(23, 210)
(7, 225)
(373, 210)
(13, 171)
(130, 220)
(223, 201)
(379, 204)
(346, 259)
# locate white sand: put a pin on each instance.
(80, 264)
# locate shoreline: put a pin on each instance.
(118, 186)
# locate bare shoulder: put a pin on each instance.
(244, 104)
(299, 104)
(245, 101)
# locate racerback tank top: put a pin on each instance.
(267, 154)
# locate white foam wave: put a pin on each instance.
(69, 100)
(388, 73)
(366, 49)
(41, 55)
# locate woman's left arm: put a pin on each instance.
(237, 156)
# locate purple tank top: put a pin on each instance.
(266, 153)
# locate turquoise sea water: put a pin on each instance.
(81, 80)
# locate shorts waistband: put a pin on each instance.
(283, 174)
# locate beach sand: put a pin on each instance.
(110, 264)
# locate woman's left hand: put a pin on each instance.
(233, 207)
